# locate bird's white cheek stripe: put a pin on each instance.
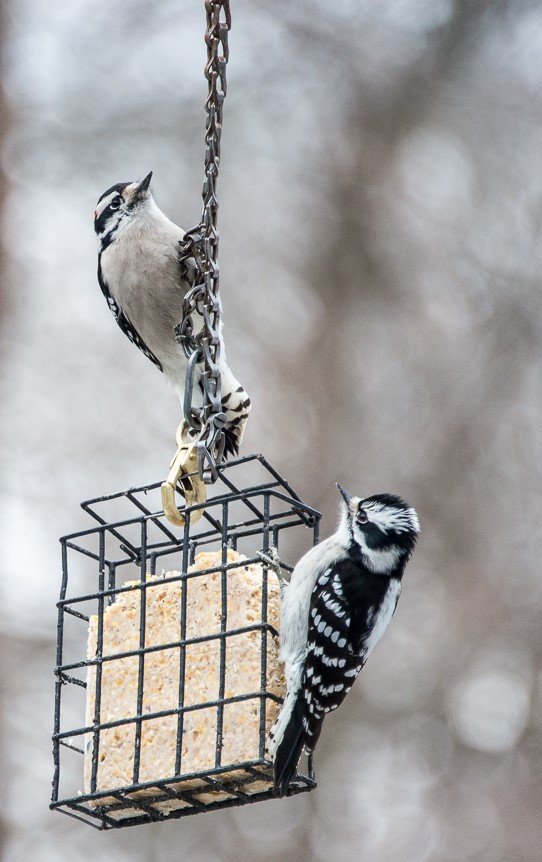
(104, 203)
(382, 562)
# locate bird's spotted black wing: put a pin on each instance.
(343, 602)
(330, 664)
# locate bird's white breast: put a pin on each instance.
(294, 616)
(142, 271)
(383, 616)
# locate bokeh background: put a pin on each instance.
(380, 221)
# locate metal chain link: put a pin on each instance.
(201, 244)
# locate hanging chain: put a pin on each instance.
(201, 244)
(200, 437)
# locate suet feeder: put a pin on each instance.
(167, 656)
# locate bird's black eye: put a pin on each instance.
(362, 516)
(115, 203)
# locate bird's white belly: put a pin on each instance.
(385, 614)
(152, 303)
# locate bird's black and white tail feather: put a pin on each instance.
(291, 738)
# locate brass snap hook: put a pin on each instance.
(183, 471)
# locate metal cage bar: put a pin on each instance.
(252, 508)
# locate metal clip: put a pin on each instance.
(183, 471)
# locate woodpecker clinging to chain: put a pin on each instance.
(337, 605)
(141, 277)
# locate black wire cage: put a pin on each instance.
(167, 661)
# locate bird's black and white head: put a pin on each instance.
(122, 205)
(383, 528)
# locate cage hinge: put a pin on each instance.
(183, 473)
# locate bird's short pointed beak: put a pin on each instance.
(143, 187)
(345, 495)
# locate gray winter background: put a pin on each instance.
(380, 222)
